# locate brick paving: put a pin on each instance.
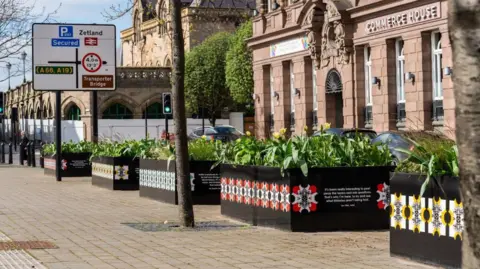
(85, 222)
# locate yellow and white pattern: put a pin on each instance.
(121, 172)
(438, 209)
(456, 219)
(102, 170)
(398, 220)
(418, 209)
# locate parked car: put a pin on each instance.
(350, 133)
(395, 141)
(224, 133)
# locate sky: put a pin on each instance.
(71, 11)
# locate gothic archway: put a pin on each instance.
(334, 98)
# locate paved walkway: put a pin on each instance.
(85, 222)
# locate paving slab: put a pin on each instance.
(88, 225)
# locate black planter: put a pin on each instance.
(73, 165)
(330, 199)
(427, 228)
(158, 181)
(116, 173)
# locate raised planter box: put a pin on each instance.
(329, 199)
(158, 182)
(73, 165)
(116, 173)
(428, 228)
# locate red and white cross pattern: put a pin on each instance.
(269, 195)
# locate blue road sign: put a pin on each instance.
(59, 42)
(65, 31)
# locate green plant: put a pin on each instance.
(238, 69)
(305, 152)
(69, 147)
(432, 155)
(205, 76)
(203, 150)
(127, 148)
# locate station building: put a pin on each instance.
(378, 64)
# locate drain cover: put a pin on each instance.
(12, 245)
(175, 226)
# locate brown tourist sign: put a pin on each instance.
(404, 18)
(97, 81)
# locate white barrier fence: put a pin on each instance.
(116, 130)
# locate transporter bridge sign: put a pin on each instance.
(74, 57)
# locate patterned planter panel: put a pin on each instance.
(73, 165)
(115, 173)
(158, 181)
(427, 228)
(321, 202)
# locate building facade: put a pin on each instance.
(145, 71)
(138, 89)
(148, 41)
(379, 64)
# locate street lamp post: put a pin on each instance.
(24, 57)
(9, 66)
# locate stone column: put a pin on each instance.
(304, 102)
(381, 109)
(281, 76)
(262, 99)
(447, 84)
(418, 94)
(359, 88)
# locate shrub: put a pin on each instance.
(433, 155)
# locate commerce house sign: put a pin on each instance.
(408, 17)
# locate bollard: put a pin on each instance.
(28, 150)
(22, 153)
(2, 152)
(32, 153)
(42, 165)
(10, 153)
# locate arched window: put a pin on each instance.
(163, 14)
(154, 111)
(73, 113)
(117, 111)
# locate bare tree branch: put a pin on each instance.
(16, 19)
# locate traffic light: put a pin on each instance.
(167, 103)
(2, 103)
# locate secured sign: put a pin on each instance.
(74, 57)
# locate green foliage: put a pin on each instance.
(127, 148)
(432, 155)
(69, 147)
(305, 152)
(239, 72)
(203, 150)
(205, 75)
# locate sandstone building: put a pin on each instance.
(377, 64)
(145, 70)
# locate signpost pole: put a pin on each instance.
(58, 135)
(146, 120)
(166, 128)
(94, 117)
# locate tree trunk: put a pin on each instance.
(185, 202)
(464, 26)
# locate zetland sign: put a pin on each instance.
(71, 57)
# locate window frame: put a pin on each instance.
(272, 92)
(368, 75)
(292, 88)
(314, 86)
(437, 74)
(400, 70)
